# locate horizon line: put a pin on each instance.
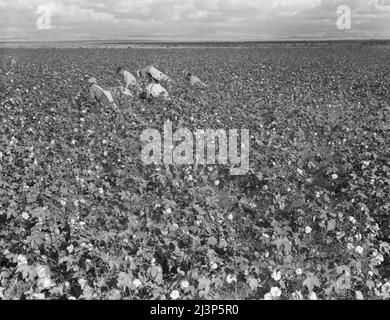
(197, 41)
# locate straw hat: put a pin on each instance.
(92, 80)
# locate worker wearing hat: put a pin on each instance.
(99, 94)
(153, 73)
(194, 80)
(130, 80)
(12, 61)
(156, 90)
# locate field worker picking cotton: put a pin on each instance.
(152, 72)
(194, 80)
(12, 61)
(9, 63)
(97, 93)
(129, 79)
(155, 90)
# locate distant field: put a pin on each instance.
(81, 216)
(181, 45)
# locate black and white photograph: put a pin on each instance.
(206, 152)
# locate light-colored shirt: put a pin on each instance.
(194, 80)
(155, 90)
(130, 80)
(101, 95)
(154, 73)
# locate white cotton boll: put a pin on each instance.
(312, 296)
(231, 278)
(359, 295)
(25, 216)
(359, 249)
(137, 283)
(175, 295)
(184, 284)
(276, 275)
(275, 292)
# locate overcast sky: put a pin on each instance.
(191, 19)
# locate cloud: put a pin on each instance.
(75, 14)
(135, 7)
(255, 19)
(265, 7)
